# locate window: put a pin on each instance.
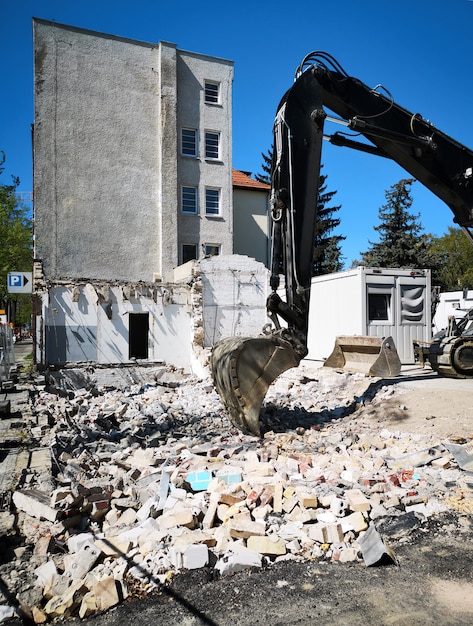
(412, 304)
(189, 142)
(212, 92)
(212, 201)
(211, 249)
(212, 145)
(189, 252)
(379, 305)
(189, 199)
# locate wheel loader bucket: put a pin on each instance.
(243, 369)
(372, 356)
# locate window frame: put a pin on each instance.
(195, 189)
(196, 252)
(207, 247)
(380, 301)
(212, 154)
(209, 209)
(195, 152)
(208, 98)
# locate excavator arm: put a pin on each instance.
(244, 367)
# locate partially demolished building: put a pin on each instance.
(132, 179)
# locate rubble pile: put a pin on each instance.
(142, 482)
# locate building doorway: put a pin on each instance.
(138, 335)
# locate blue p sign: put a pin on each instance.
(19, 282)
(15, 280)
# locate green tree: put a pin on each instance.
(327, 251)
(15, 247)
(402, 243)
(453, 256)
(265, 177)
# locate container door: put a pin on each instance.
(380, 309)
(413, 304)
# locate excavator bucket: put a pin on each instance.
(243, 369)
(372, 356)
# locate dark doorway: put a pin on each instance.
(138, 335)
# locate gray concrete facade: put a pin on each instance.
(111, 171)
(108, 168)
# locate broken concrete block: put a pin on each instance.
(36, 504)
(443, 462)
(241, 527)
(195, 556)
(307, 499)
(347, 555)
(333, 533)
(238, 560)
(299, 514)
(84, 559)
(88, 605)
(316, 532)
(64, 605)
(261, 512)
(338, 506)
(211, 513)
(232, 498)
(45, 573)
(267, 545)
(355, 522)
(357, 500)
(106, 593)
(75, 542)
(113, 546)
(326, 499)
(179, 518)
(277, 497)
(38, 615)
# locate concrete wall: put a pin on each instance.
(235, 289)
(96, 154)
(251, 224)
(211, 299)
(91, 323)
(106, 154)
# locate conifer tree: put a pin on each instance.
(327, 251)
(402, 243)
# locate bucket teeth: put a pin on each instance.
(243, 368)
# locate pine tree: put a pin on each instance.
(266, 167)
(327, 252)
(402, 243)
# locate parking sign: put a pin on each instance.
(20, 282)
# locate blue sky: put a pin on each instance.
(420, 50)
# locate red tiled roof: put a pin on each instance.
(242, 180)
